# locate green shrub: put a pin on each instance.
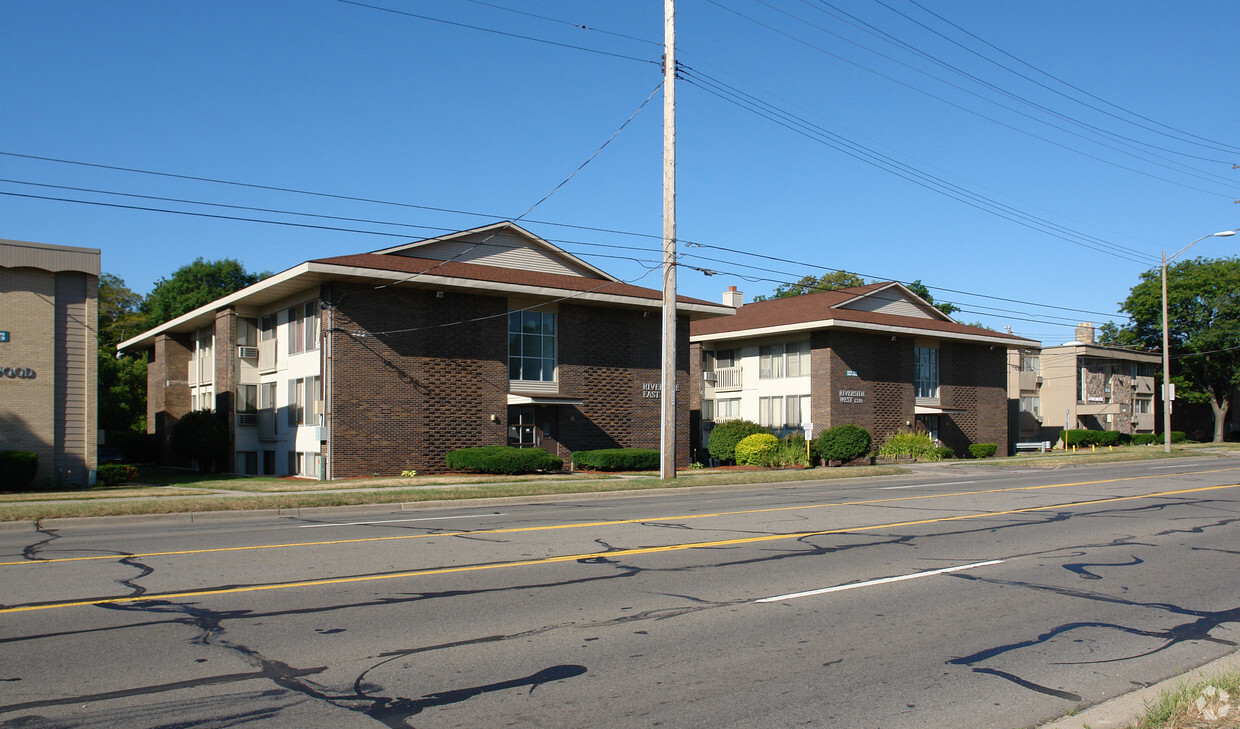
(618, 459)
(1145, 439)
(17, 469)
(726, 435)
(983, 450)
(502, 459)
(842, 443)
(791, 452)
(201, 435)
(1108, 437)
(756, 450)
(114, 474)
(1178, 436)
(919, 446)
(946, 453)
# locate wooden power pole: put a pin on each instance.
(667, 431)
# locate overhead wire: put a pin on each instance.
(1192, 173)
(886, 163)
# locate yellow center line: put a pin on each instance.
(584, 525)
(596, 555)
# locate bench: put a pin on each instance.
(1040, 446)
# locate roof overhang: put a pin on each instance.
(516, 399)
(997, 340)
(936, 410)
(314, 273)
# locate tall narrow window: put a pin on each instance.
(296, 401)
(247, 398)
(926, 362)
(247, 331)
(310, 326)
(531, 346)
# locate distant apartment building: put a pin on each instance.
(878, 356)
(49, 357)
(380, 362)
(1083, 385)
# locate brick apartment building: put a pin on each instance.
(380, 362)
(49, 357)
(878, 356)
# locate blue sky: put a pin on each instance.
(1063, 183)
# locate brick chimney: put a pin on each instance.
(733, 298)
(1085, 332)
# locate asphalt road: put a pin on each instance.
(963, 596)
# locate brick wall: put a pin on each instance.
(403, 400)
(167, 391)
(973, 378)
(609, 358)
(884, 373)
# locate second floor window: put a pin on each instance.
(531, 346)
(790, 359)
(247, 398)
(303, 328)
(926, 377)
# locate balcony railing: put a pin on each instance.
(728, 378)
(267, 355)
(1029, 381)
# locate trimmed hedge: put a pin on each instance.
(757, 450)
(946, 453)
(983, 450)
(905, 444)
(114, 474)
(1146, 439)
(1179, 436)
(17, 469)
(726, 435)
(618, 459)
(842, 443)
(502, 459)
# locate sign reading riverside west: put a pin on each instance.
(854, 397)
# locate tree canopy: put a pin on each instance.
(122, 380)
(1203, 325)
(813, 284)
(194, 285)
(920, 289)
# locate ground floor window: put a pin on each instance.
(303, 463)
(727, 409)
(247, 462)
(930, 425)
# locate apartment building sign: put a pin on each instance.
(853, 397)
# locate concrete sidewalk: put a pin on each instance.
(1124, 711)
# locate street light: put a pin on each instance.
(1166, 352)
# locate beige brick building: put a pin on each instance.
(48, 357)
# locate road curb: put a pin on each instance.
(1124, 711)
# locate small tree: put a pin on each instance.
(758, 449)
(201, 435)
(726, 435)
(842, 443)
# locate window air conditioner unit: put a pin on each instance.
(247, 418)
(247, 352)
(708, 424)
(710, 376)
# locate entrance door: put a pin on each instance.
(532, 426)
(522, 429)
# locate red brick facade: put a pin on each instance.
(413, 375)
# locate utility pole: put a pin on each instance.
(667, 431)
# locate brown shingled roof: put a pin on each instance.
(825, 305)
(495, 274)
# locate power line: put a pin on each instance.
(931, 182)
(496, 32)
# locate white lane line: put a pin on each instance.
(883, 581)
(396, 521)
(1160, 468)
(923, 485)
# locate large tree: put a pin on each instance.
(122, 378)
(920, 289)
(194, 285)
(1203, 325)
(813, 284)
